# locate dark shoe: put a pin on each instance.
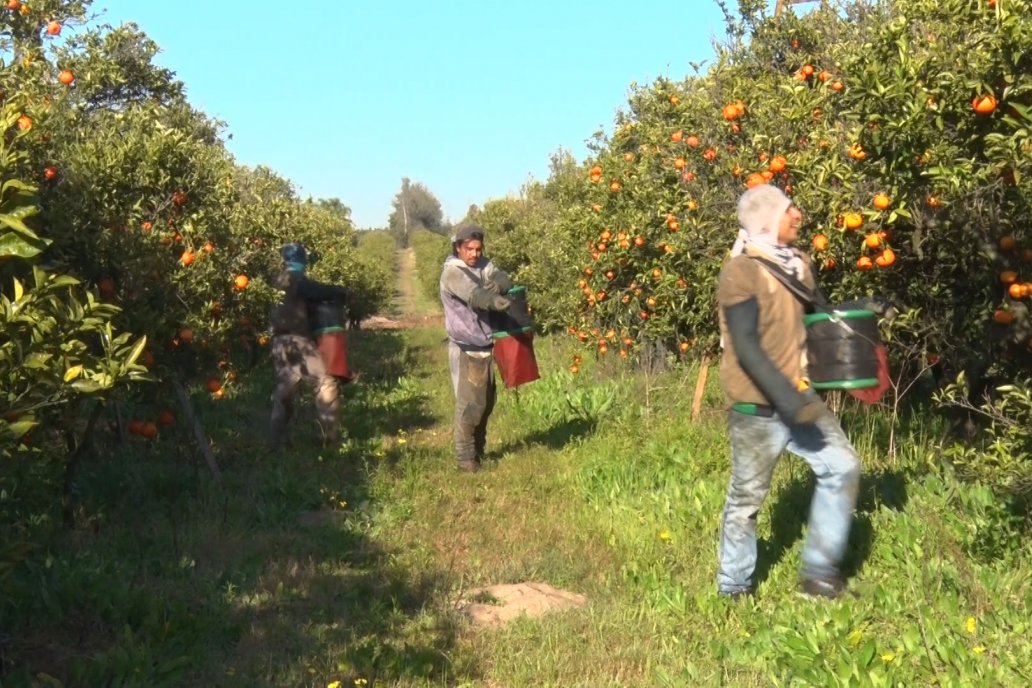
(469, 466)
(828, 588)
(735, 595)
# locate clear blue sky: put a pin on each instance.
(469, 97)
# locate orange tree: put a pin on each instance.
(901, 129)
(111, 178)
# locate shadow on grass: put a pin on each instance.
(791, 510)
(268, 579)
(555, 437)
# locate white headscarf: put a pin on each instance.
(760, 210)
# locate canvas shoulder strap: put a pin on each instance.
(810, 298)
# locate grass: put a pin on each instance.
(316, 566)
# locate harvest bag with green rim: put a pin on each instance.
(843, 345)
(326, 319)
(513, 335)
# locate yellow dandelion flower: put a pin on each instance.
(664, 535)
(971, 625)
(856, 637)
(402, 440)
(360, 682)
(978, 649)
(888, 656)
(342, 504)
(333, 684)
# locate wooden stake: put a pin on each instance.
(700, 387)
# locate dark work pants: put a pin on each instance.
(474, 386)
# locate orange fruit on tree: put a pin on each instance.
(149, 430)
(25, 123)
(146, 226)
(1017, 291)
(208, 247)
(933, 202)
(754, 179)
(820, 242)
(692, 141)
(886, 258)
(710, 154)
(1002, 316)
(135, 426)
(629, 157)
(680, 163)
(853, 220)
(639, 241)
(677, 136)
(214, 385)
(984, 105)
(186, 335)
(49, 173)
(837, 85)
(54, 28)
(674, 100)
(1008, 276)
(730, 112)
(187, 258)
(872, 241)
(778, 164)
(614, 185)
(864, 263)
(66, 77)
(166, 418)
(656, 273)
(881, 201)
(829, 264)
(241, 282)
(13, 4)
(1008, 242)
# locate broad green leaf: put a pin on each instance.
(72, 373)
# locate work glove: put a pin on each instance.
(500, 303)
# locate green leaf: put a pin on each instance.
(14, 221)
(14, 244)
(72, 373)
(19, 290)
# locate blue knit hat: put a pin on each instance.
(294, 253)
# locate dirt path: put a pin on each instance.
(409, 303)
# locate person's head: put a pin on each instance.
(295, 256)
(769, 216)
(468, 244)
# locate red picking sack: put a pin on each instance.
(871, 395)
(514, 354)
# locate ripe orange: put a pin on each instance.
(1008, 276)
(149, 430)
(187, 258)
(639, 241)
(692, 141)
(54, 28)
(49, 173)
(25, 123)
(186, 335)
(872, 241)
(614, 186)
(830, 264)
(680, 163)
(684, 346)
(881, 201)
(710, 154)
(208, 247)
(574, 369)
(166, 418)
(933, 202)
(853, 220)
(179, 198)
(754, 179)
(837, 85)
(674, 100)
(1017, 291)
(66, 77)
(135, 427)
(730, 112)
(1008, 242)
(214, 385)
(629, 157)
(984, 105)
(1003, 316)
(241, 282)
(864, 263)
(656, 273)
(677, 136)
(820, 242)
(778, 164)
(886, 258)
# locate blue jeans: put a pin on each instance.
(756, 444)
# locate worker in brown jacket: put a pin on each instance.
(763, 373)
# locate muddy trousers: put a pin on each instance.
(474, 386)
(294, 359)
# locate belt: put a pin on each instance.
(750, 409)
